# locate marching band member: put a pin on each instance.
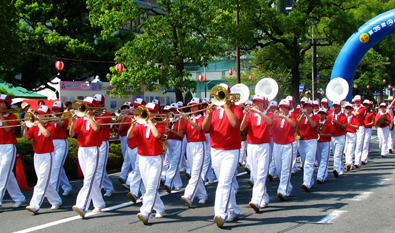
(338, 130)
(174, 154)
(383, 129)
(308, 144)
(359, 113)
(351, 136)
(272, 167)
(391, 139)
(149, 148)
(323, 146)
(223, 123)
(324, 104)
(61, 148)
(316, 107)
(42, 134)
(123, 130)
(196, 149)
(183, 164)
(257, 121)
(283, 138)
(89, 140)
(102, 176)
(8, 154)
(295, 144)
(135, 181)
(369, 122)
(207, 173)
(166, 162)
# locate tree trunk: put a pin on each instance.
(295, 83)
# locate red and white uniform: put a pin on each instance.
(196, 150)
(391, 134)
(338, 140)
(43, 163)
(323, 151)
(174, 157)
(7, 161)
(225, 142)
(101, 175)
(360, 134)
(295, 113)
(151, 163)
(369, 116)
(351, 137)
(61, 148)
(283, 138)
(258, 149)
(126, 165)
(308, 148)
(382, 133)
(89, 142)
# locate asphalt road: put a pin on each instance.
(359, 201)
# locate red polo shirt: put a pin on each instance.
(360, 118)
(354, 121)
(222, 135)
(335, 129)
(41, 144)
(132, 142)
(284, 134)
(174, 127)
(387, 118)
(368, 119)
(326, 130)
(307, 131)
(192, 134)
(147, 144)
(61, 132)
(87, 137)
(8, 137)
(124, 132)
(105, 129)
(257, 128)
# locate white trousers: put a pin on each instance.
(323, 153)
(196, 154)
(43, 164)
(207, 172)
(295, 146)
(350, 147)
(225, 167)
(7, 178)
(174, 157)
(338, 144)
(308, 152)
(58, 176)
(101, 176)
(366, 145)
(360, 136)
(272, 166)
(126, 168)
(183, 164)
(383, 137)
(166, 163)
(243, 151)
(391, 139)
(260, 160)
(89, 157)
(283, 158)
(134, 178)
(151, 169)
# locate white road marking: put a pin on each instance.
(36, 228)
(384, 181)
(362, 196)
(331, 217)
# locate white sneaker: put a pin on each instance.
(177, 189)
(31, 209)
(108, 193)
(66, 193)
(18, 204)
(98, 209)
(186, 201)
(55, 207)
(232, 217)
(79, 211)
(203, 201)
(236, 191)
(141, 217)
(158, 215)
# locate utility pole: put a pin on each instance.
(237, 47)
(314, 64)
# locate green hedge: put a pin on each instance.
(25, 149)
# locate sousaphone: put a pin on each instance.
(241, 89)
(337, 89)
(267, 87)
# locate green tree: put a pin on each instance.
(177, 34)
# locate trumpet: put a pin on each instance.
(11, 110)
(81, 108)
(142, 115)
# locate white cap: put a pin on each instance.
(166, 108)
(348, 104)
(284, 102)
(180, 104)
(322, 110)
(357, 98)
(303, 99)
(205, 100)
(273, 104)
(156, 102)
(315, 102)
(309, 102)
(138, 101)
(127, 103)
(383, 104)
(249, 103)
(151, 106)
(194, 101)
(290, 98)
(57, 105)
(324, 100)
(336, 103)
(390, 98)
(174, 106)
(43, 109)
(225, 86)
(259, 98)
(366, 102)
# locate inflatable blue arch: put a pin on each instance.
(358, 45)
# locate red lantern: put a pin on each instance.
(201, 78)
(205, 79)
(119, 67)
(250, 77)
(389, 87)
(322, 92)
(355, 86)
(368, 86)
(259, 67)
(230, 72)
(393, 89)
(59, 65)
(384, 80)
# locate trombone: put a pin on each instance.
(220, 96)
(142, 115)
(11, 110)
(189, 113)
(81, 108)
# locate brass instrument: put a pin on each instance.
(319, 129)
(164, 139)
(11, 110)
(220, 96)
(142, 115)
(296, 130)
(81, 108)
(188, 106)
